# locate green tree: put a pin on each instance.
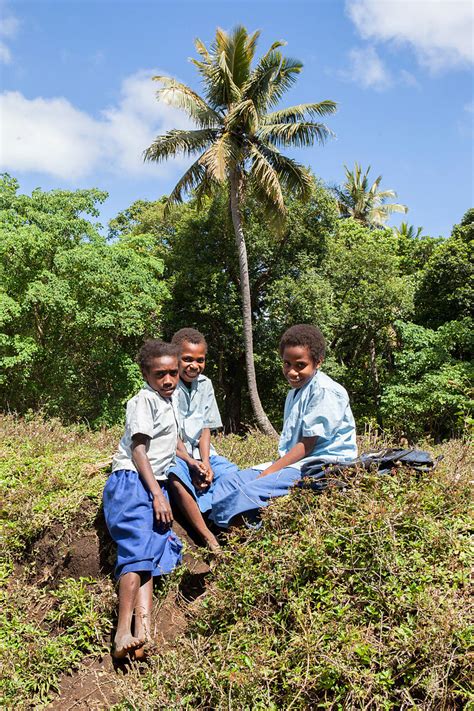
(73, 307)
(196, 242)
(238, 139)
(446, 288)
(359, 199)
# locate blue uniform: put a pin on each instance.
(143, 545)
(197, 411)
(318, 409)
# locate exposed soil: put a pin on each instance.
(93, 685)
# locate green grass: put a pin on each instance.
(354, 599)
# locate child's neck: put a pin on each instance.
(188, 385)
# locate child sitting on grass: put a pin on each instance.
(198, 467)
(317, 425)
(136, 506)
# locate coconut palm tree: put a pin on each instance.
(239, 131)
(364, 202)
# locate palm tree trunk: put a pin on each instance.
(262, 420)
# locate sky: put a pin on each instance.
(78, 105)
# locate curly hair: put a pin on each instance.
(154, 348)
(303, 334)
(191, 335)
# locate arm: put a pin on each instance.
(140, 459)
(300, 450)
(182, 453)
(204, 450)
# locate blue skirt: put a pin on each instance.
(143, 545)
(221, 467)
(243, 493)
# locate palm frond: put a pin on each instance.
(243, 116)
(266, 179)
(284, 79)
(221, 156)
(181, 96)
(295, 134)
(292, 175)
(190, 180)
(301, 112)
(258, 85)
(178, 141)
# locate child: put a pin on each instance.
(136, 507)
(198, 468)
(317, 425)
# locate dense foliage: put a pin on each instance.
(75, 306)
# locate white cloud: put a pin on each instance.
(367, 69)
(8, 28)
(440, 31)
(50, 135)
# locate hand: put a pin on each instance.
(162, 510)
(209, 475)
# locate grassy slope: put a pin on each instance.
(347, 600)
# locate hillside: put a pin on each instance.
(353, 599)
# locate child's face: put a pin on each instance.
(162, 375)
(192, 360)
(298, 365)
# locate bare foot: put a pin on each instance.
(140, 654)
(123, 644)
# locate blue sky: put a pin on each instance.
(77, 106)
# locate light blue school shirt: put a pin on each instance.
(197, 410)
(320, 408)
(157, 417)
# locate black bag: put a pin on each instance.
(314, 474)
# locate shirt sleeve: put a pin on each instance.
(324, 414)
(212, 417)
(142, 416)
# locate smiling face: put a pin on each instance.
(298, 365)
(162, 375)
(192, 360)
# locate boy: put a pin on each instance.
(198, 467)
(136, 506)
(317, 425)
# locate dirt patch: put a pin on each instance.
(94, 684)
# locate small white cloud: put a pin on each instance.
(367, 69)
(54, 137)
(407, 79)
(440, 31)
(8, 28)
(469, 107)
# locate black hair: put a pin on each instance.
(154, 348)
(191, 335)
(303, 334)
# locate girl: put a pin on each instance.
(317, 425)
(136, 506)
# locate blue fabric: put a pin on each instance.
(143, 545)
(319, 409)
(221, 468)
(242, 492)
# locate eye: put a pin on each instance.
(173, 373)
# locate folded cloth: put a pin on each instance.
(143, 545)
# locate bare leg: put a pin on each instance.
(189, 507)
(124, 641)
(143, 610)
